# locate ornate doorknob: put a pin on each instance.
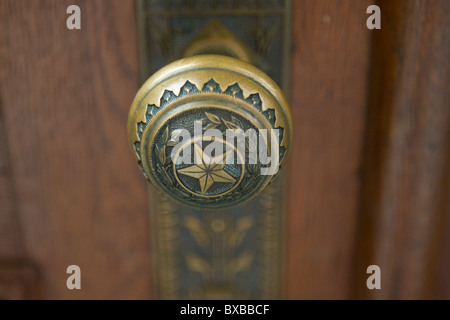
(210, 131)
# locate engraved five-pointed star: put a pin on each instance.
(208, 169)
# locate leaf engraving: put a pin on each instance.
(165, 136)
(241, 263)
(162, 155)
(231, 125)
(197, 264)
(197, 230)
(236, 121)
(213, 118)
(238, 234)
(211, 125)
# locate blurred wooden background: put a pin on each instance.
(369, 174)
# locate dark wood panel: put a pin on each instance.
(65, 97)
(330, 67)
(443, 286)
(10, 236)
(18, 280)
(405, 191)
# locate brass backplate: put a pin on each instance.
(167, 27)
(237, 252)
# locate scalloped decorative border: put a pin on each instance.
(211, 86)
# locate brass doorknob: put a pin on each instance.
(210, 131)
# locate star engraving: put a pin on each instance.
(208, 170)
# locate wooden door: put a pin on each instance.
(369, 172)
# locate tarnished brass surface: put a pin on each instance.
(223, 93)
(215, 38)
(235, 252)
(169, 30)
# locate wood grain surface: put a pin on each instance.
(11, 246)
(330, 68)
(65, 96)
(406, 190)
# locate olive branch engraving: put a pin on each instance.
(164, 163)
